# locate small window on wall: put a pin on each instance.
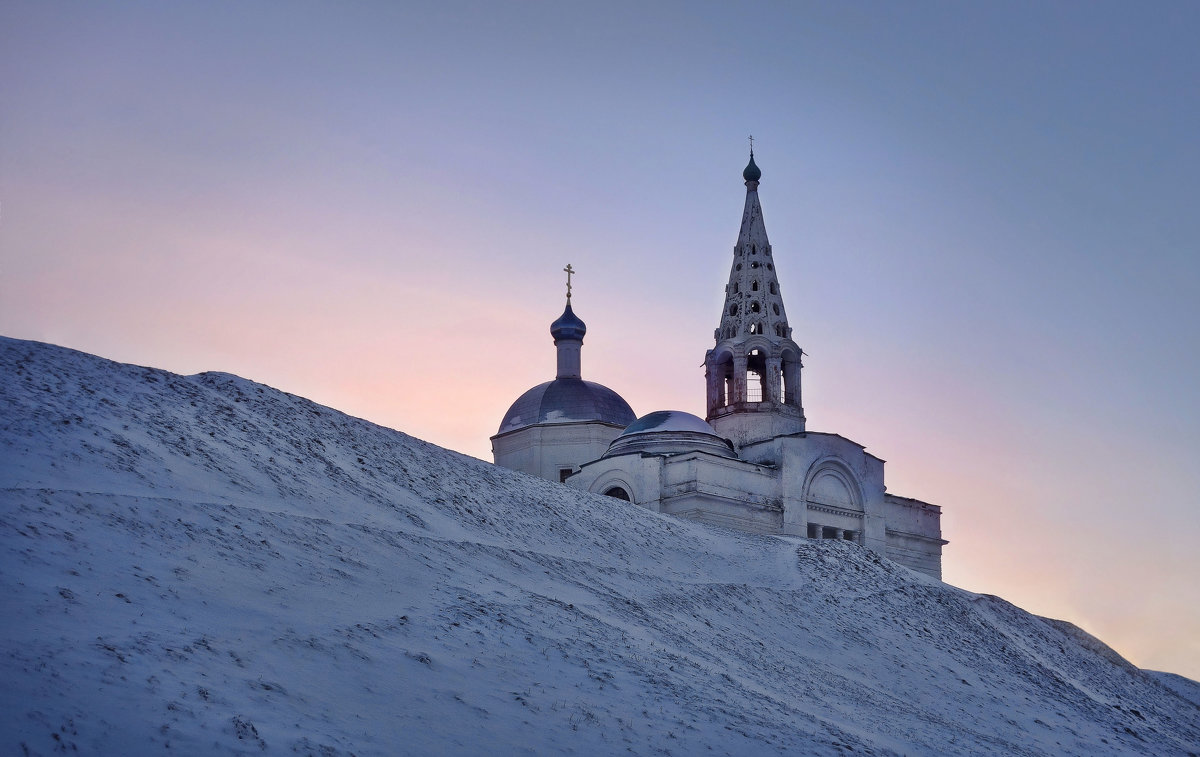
(564, 474)
(617, 493)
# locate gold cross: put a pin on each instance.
(751, 144)
(569, 270)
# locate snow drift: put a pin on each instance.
(203, 564)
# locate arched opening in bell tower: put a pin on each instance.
(756, 376)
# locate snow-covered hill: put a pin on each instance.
(203, 564)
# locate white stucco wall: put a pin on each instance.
(543, 450)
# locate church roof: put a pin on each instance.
(668, 420)
(669, 432)
(753, 300)
(568, 325)
(567, 400)
(752, 172)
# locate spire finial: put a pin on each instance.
(569, 270)
(752, 172)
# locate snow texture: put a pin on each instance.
(205, 565)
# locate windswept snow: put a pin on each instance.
(203, 564)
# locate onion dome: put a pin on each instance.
(568, 325)
(752, 172)
(567, 400)
(669, 432)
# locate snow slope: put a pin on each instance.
(203, 564)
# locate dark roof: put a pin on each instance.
(567, 400)
(752, 172)
(568, 326)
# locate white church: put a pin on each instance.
(751, 464)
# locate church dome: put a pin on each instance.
(752, 172)
(567, 400)
(669, 432)
(568, 325)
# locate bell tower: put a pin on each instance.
(753, 371)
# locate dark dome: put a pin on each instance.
(669, 420)
(567, 400)
(669, 432)
(752, 172)
(568, 326)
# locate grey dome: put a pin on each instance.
(567, 400)
(568, 325)
(669, 420)
(669, 432)
(752, 172)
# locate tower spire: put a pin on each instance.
(568, 332)
(754, 366)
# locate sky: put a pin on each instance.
(983, 218)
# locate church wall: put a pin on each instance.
(639, 475)
(800, 458)
(745, 428)
(722, 492)
(544, 450)
(914, 534)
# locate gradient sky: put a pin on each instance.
(984, 219)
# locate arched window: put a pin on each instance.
(617, 492)
(756, 376)
(775, 307)
(733, 309)
(756, 328)
(774, 289)
(753, 286)
(755, 307)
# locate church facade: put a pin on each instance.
(750, 464)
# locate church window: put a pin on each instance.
(774, 289)
(753, 387)
(770, 267)
(781, 330)
(756, 328)
(617, 492)
(814, 531)
(739, 267)
(756, 375)
(564, 474)
(775, 307)
(733, 309)
(754, 307)
(754, 286)
(754, 264)
(737, 287)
